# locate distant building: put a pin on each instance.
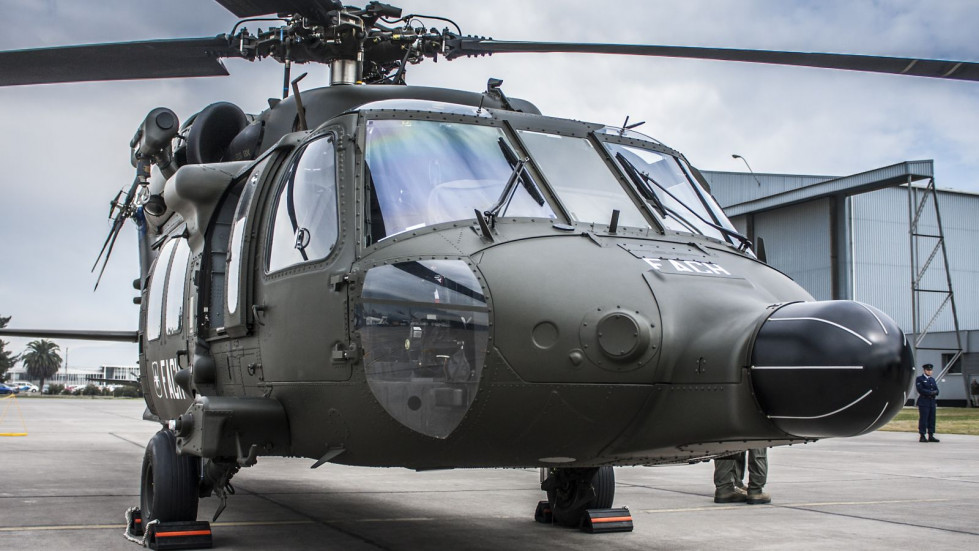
(76, 376)
(83, 375)
(119, 373)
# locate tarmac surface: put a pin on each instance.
(68, 483)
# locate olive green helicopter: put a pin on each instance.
(378, 274)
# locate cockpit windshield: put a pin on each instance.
(425, 172)
(664, 181)
(581, 179)
(428, 172)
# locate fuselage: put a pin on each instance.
(430, 280)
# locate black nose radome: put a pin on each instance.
(830, 368)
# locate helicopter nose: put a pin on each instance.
(830, 368)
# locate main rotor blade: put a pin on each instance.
(933, 68)
(184, 57)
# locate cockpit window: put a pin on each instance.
(305, 226)
(424, 326)
(421, 172)
(626, 133)
(581, 179)
(427, 172)
(664, 182)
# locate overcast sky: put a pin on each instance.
(64, 148)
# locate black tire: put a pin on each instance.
(604, 484)
(574, 491)
(169, 482)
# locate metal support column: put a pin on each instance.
(927, 239)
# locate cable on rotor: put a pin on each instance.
(420, 16)
(253, 19)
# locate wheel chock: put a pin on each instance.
(600, 521)
(179, 535)
(543, 513)
(134, 522)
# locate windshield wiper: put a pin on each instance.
(507, 194)
(639, 180)
(528, 182)
(642, 180)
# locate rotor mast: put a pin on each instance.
(348, 67)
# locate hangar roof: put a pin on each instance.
(743, 193)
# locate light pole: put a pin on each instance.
(736, 156)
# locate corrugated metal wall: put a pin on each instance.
(881, 260)
(882, 263)
(741, 224)
(797, 240)
(732, 188)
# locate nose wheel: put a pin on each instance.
(572, 491)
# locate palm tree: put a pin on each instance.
(7, 359)
(41, 359)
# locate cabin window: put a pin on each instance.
(304, 227)
(236, 250)
(428, 172)
(154, 310)
(216, 258)
(581, 179)
(175, 287)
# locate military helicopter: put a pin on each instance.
(378, 274)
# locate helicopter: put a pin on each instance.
(379, 274)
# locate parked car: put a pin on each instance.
(24, 386)
(4, 390)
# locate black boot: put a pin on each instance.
(729, 495)
(758, 497)
(931, 438)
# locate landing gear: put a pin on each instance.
(571, 491)
(169, 484)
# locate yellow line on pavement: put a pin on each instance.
(812, 504)
(263, 523)
(881, 502)
(123, 526)
(66, 527)
(429, 519)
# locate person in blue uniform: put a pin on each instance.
(927, 392)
